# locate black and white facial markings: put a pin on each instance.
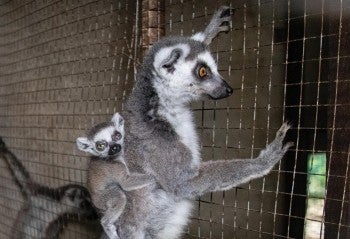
(104, 140)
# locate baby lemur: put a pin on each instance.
(108, 175)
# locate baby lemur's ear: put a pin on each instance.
(84, 144)
(118, 120)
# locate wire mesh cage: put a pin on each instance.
(67, 65)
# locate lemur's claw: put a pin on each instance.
(281, 133)
(225, 11)
(287, 146)
(223, 18)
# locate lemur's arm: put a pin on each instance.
(136, 181)
(225, 174)
(20, 174)
(220, 22)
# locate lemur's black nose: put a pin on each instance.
(229, 90)
(114, 149)
(222, 90)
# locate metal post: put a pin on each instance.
(153, 22)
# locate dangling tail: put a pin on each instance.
(55, 206)
(20, 174)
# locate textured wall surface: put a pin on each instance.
(67, 65)
(64, 66)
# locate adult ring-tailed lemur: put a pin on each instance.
(161, 138)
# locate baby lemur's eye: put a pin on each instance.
(101, 145)
(202, 72)
(116, 136)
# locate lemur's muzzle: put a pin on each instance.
(222, 91)
(114, 148)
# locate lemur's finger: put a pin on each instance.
(225, 29)
(226, 21)
(287, 146)
(225, 11)
(281, 133)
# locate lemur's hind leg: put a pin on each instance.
(115, 206)
(220, 22)
(136, 181)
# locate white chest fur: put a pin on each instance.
(182, 121)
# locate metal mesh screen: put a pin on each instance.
(67, 65)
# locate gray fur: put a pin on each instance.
(111, 184)
(46, 210)
(161, 139)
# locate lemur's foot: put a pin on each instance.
(221, 20)
(224, 20)
(275, 150)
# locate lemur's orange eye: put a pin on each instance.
(202, 72)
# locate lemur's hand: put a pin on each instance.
(275, 150)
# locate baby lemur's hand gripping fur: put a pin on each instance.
(161, 138)
(46, 210)
(108, 175)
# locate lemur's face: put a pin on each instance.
(106, 139)
(188, 72)
(107, 142)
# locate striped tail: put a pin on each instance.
(20, 174)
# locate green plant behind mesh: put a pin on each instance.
(316, 170)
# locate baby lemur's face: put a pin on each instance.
(104, 140)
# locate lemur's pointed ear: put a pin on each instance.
(118, 120)
(220, 22)
(167, 57)
(83, 144)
